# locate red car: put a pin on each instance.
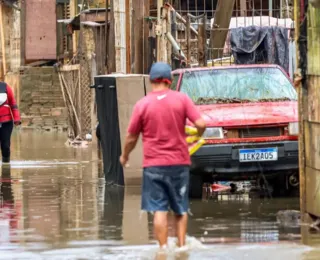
(252, 125)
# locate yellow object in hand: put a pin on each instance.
(191, 130)
(192, 138)
(195, 147)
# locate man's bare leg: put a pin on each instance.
(181, 226)
(160, 224)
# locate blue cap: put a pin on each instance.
(160, 71)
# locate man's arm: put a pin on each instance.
(130, 144)
(200, 124)
(194, 116)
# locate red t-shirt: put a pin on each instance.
(161, 118)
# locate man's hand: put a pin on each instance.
(17, 123)
(124, 160)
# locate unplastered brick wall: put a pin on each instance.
(41, 100)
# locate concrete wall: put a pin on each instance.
(41, 100)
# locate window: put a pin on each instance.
(237, 85)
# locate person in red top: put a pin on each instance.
(161, 118)
(9, 116)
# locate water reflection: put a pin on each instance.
(65, 211)
(8, 212)
(111, 221)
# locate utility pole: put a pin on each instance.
(307, 19)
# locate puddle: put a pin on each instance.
(54, 205)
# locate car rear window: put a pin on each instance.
(237, 85)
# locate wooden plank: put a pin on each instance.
(202, 43)
(313, 41)
(73, 12)
(3, 46)
(137, 23)
(128, 37)
(312, 144)
(22, 33)
(313, 191)
(96, 17)
(111, 50)
(243, 7)
(160, 32)
(221, 21)
(169, 30)
(146, 12)
(188, 40)
(69, 67)
(120, 35)
(302, 175)
(313, 101)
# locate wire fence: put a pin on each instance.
(245, 13)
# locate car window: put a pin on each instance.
(175, 79)
(237, 85)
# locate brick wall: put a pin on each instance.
(41, 101)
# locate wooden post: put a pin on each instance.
(188, 36)
(110, 36)
(202, 38)
(301, 95)
(243, 7)
(139, 41)
(169, 29)
(128, 36)
(312, 104)
(22, 33)
(308, 83)
(3, 42)
(106, 63)
(146, 8)
(220, 28)
(161, 29)
(119, 9)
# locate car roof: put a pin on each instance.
(179, 71)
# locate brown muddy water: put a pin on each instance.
(54, 205)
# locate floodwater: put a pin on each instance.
(54, 205)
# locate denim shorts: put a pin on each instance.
(166, 188)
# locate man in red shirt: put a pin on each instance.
(9, 116)
(161, 118)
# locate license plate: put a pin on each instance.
(258, 155)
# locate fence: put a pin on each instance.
(76, 79)
(200, 16)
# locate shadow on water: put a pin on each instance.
(111, 222)
(64, 210)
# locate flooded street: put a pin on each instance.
(54, 205)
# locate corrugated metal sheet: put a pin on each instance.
(41, 38)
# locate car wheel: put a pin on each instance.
(282, 189)
(195, 186)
